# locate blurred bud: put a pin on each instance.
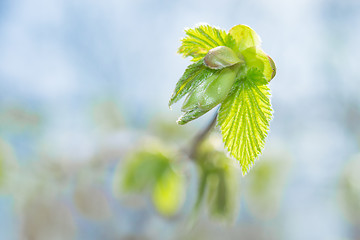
(221, 57)
(217, 182)
(152, 170)
(168, 193)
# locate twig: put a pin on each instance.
(200, 138)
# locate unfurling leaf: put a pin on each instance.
(153, 171)
(168, 193)
(244, 119)
(200, 40)
(217, 183)
(212, 91)
(240, 72)
(192, 77)
(244, 37)
(256, 58)
(142, 170)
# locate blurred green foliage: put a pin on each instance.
(155, 171)
(218, 182)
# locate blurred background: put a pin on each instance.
(85, 83)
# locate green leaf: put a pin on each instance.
(256, 58)
(142, 170)
(222, 194)
(168, 193)
(212, 90)
(244, 37)
(191, 115)
(191, 78)
(244, 119)
(200, 40)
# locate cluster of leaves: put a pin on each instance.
(218, 182)
(232, 70)
(154, 171)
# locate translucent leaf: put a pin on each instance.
(222, 194)
(212, 90)
(218, 183)
(191, 78)
(201, 39)
(210, 93)
(168, 193)
(142, 170)
(244, 37)
(191, 115)
(244, 119)
(256, 58)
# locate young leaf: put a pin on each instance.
(244, 37)
(142, 170)
(192, 77)
(212, 90)
(210, 93)
(244, 119)
(256, 58)
(218, 183)
(200, 40)
(168, 193)
(191, 115)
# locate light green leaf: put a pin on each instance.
(244, 37)
(168, 193)
(256, 58)
(191, 115)
(142, 170)
(211, 91)
(192, 77)
(244, 119)
(218, 183)
(201, 39)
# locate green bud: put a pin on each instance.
(192, 99)
(221, 57)
(218, 89)
(256, 58)
(212, 91)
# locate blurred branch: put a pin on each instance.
(199, 138)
